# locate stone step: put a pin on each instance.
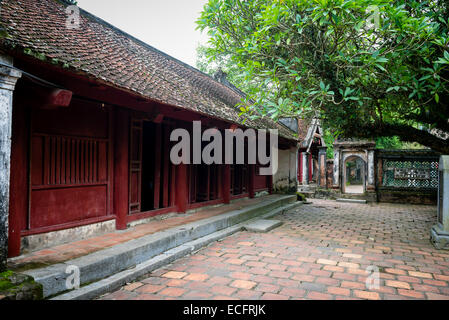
(107, 262)
(262, 225)
(351, 200)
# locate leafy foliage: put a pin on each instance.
(367, 68)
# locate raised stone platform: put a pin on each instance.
(262, 225)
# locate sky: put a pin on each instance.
(167, 25)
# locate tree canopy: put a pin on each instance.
(367, 68)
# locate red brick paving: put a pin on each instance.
(320, 252)
(80, 248)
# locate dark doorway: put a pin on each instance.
(148, 164)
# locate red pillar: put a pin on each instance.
(157, 166)
(300, 167)
(226, 183)
(252, 174)
(18, 201)
(181, 188)
(121, 168)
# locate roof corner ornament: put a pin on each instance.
(221, 76)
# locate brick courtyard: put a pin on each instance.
(320, 252)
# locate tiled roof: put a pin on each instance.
(99, 50)
(303, 128)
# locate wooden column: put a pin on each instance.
(251, 176)
(157, 166)
(226, 183)
(121, 168)
(300, 167)
(18, 203)
(182, 192)
(8, 79)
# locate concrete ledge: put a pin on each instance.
(351, 200)
(110, 261)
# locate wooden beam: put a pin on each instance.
(51, 98)
(59, 98)
(159, 118)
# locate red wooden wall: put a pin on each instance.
(70, 165)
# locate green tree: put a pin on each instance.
(389, 143)
(367, 68)
(215, 63)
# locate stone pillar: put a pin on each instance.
(336, 173)
(8, 79)
(322, 167)
(440, 232)
(371, 183)
(305, 168)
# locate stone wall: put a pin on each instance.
(413, 191)
(407, 196)
(285, 180)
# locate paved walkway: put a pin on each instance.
(321, 252)
(65, 252)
